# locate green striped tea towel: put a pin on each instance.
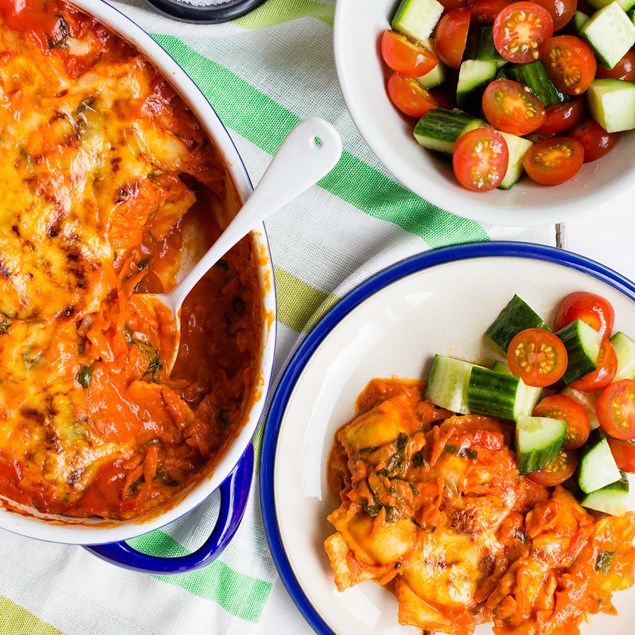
(262, 73)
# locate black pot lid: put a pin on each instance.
(205, 11)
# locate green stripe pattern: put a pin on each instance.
(15, 620)
(275, 12)
(239, 594)
(265, 123)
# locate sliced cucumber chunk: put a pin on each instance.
(538, 442)
(448, 382)
(516, 147)
(480, 45)
(474, 76)
(534, 76)
(610, 33)
(439, 129)
(433, 78)
(610, 499)
(625, 349)
(597, 467)
(514, 318)
(583, 347)
(612, 103)
(587, 400)
(417, 18)
(501, 367)
(579, 20)
(501, 395)
(600, 4)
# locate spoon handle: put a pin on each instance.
(308, 153)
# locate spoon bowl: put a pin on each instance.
(307, 154)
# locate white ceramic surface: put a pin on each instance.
(95, 532)
(358, 28)
(395, 332)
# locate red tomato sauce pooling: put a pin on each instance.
(118, 186)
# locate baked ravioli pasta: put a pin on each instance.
(432, 507)
(108, 185)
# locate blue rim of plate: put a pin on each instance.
(328, 322)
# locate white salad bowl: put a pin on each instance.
(232, 473)
(438, 302)
(359, 25)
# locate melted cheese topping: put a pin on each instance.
(100, 161)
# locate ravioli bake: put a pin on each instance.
(108, 186)
(433, 508)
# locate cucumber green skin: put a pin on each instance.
(536, 460)
(610, 499)
(579, 20)
(480, 45)
(439, 129)
(533, 460)
(514, 318)
(579, 362)
(534, 75)
(597, 467)
(492, 393)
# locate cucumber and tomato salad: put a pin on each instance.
(536, 86)
(554, 436)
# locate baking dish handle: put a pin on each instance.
(234, 492)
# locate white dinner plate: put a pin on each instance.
(441, 301)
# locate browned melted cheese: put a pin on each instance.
(100, 161)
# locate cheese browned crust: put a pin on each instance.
(99, 162)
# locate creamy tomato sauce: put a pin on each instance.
(108, 185)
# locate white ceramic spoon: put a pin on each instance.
(308, 153)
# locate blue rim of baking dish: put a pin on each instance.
(229, 10)
(329, 321)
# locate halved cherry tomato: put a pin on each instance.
(616, 409)
(519, 30)
(570, 63)
(561, 11)
(558, 471)
(624, 69)
(623, 452)
(559, 117)
(566, 409)
(603, 375)
(596, 141)
(450, 36)
(511, 107)
(537, 356)
(480, 159)
(553, 161)
(409, 95)
(406, 56)
(485, 11)
(591, 308)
